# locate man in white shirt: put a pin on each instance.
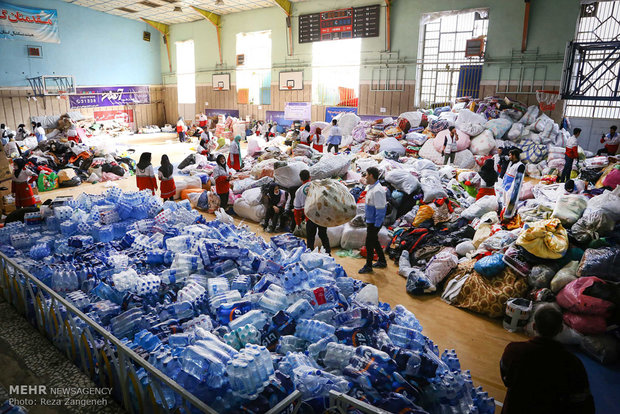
(611, 141)
(335, 137)
(376, 207)
(511, 172)
(449, 146)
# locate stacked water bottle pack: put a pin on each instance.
(237, 321)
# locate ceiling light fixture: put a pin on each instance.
(177, 9)
(219, 2)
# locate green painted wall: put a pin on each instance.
(552, 24)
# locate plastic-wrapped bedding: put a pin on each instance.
(239, 186)
(253, 196)
(482, 144)
(609, 202)
(329, 166)
(288, 175)
(441, 265)
(499, 127)
(334, 234)
(569, 208)
(592, 226)
(462, 143)
(532, 152)
(603, 263)
(391, 144)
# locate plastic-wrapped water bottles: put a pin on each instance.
(337, 355)
(254, 317)
(406, 337)
(21, 240)
(273, 299)
(312, 330)
(126, 280)
(249, 371)
(301, 309)
(242, 336)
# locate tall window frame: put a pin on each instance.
(186, 72)
(254, 74)
(442, 52)
(336, 72)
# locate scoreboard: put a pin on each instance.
(339, 24)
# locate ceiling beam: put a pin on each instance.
(286, 6)
(216, 19)
(164, 29)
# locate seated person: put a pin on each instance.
(276, 203)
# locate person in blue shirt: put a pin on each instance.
(376, 207)
(335, 137)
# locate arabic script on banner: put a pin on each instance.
(27, 23)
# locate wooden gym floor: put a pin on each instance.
(479, 341)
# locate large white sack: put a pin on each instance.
(482, 206)
(467, 116)
(253, 213)
(329, 166)
(319, 124)
(414, 118)
(255, 145)
(482, 144)
(515, 131)
(288, 175)
(542, 122)
(462, 143)
(432, 188)
(329, 203)
(365, 163)
(253, 196)
(416, 138)
(352, 237)
(391, 144)
(449, 116)
(355, 237)
(403, 180)
(465, 159)
(347, 121)
(334, 234)
(609, 202)
(182, 182)
(530, 115)
(429, 152)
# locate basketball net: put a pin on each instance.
(220, 87)
(289, 87)
(547, 99)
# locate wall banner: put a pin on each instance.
(332, 111)
(28, 23)
(109, 96)
(298, 111)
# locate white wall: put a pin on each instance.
(591, 131)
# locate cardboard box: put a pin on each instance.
(5, 167)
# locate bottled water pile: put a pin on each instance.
(237, 321)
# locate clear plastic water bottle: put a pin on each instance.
(290, 343)
(406, 337)
(254, 317)
(301, 309)
(337, 355)
(313, 330)
(217, 285)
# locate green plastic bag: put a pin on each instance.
(47, 181)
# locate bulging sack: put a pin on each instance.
(403, 180)
(546, 239)
(329, 203)
(603, 263)
(569, 208)
(574, 299)
(490, 266)
(592, 226)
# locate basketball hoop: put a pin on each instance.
(220, 88)
(289, 87)
(547, 99)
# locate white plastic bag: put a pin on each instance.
(222, 216)
(329, 166)
(569, 208)
(329, 203)
(498, 127)
(253, 196)
(334, 234)
(609, 202)
(515, 131)
(352, 237)
(243, 209)
(432, 188)
(414, 118)
(482, 144)
(391, 144)
(403, 180)
(288, 175)
(481, 207)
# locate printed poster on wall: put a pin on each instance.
(28, 23)
(298, 111)
(122, 116)
(109, 96)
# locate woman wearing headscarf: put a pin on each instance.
(221, 178)
(318, 140)
(203, 145)
(145, 175)
(167, 186)
(20, 185)
(234, 156)
(489, 178)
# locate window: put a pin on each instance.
(598, 22)
(336, 72)
(186, 72)
(444, 36)
(254, 75)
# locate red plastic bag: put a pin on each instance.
(586, 324)
(574, 300)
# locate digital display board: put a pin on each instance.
(339, 24)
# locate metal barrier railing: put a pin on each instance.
(102, 356)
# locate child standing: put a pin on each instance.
(335, 137)
(21, 188)
(181, 129)
(318, 140)
(145, 175)
(234, 156)
(167, 186)
(221, 179)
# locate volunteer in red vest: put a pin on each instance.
(181, 128)
(304, 135)
(21, 187)
(202, 121)
(376, 208)
(145, 175)
(318, 140)
(611, 141)
(221, 179)
(570, 155)
(234, 156)
(167, 186)
(488, 177)
(298, 213)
